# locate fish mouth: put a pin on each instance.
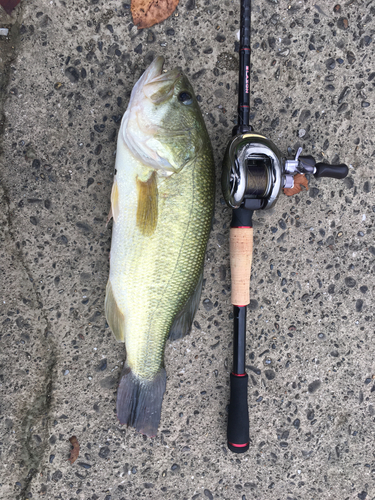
(159, 86)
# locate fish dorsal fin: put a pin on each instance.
(183, 321)
(114, 212)
(114, 316)
(147, 209)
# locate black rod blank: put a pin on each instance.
(239, 340)
(244, 77)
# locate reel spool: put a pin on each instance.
(252, 172)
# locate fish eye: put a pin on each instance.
(185, 98)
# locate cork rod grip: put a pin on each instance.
(241, 255)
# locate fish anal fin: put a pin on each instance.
(114, 211)
(183, 321)
(147, 209)
(109, 217)
(139, 400)
(115, 318)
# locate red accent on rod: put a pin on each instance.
(239, 374)
(243, 227)
(244, 106)
(245, 48)
(238, 445)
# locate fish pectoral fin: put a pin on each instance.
(147, 209)
(183, 321)
(115, 318)
(114, 211)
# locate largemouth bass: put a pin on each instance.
(162, 205)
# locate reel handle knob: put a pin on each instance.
(334, 171)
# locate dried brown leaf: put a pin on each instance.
(75, 451)
(300, 182)
(146, 13)
(8, 5)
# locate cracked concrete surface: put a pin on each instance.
(67, 69)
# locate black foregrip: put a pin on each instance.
(334, 171)
(238, 416)
(241, 217)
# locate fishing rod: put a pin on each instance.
(254, 173)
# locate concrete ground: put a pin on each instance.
(67, 69)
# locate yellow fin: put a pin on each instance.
(114, 212)
(114, 316)
(147, 210)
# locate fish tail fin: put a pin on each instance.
(139, 401)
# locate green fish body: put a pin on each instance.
(162, 204)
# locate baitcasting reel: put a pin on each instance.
(254, 171)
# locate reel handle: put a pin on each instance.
(334, 171)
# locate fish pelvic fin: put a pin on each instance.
(184, 319)
(147, 209)
(114, 211)
(139, 401)
(114, 316)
